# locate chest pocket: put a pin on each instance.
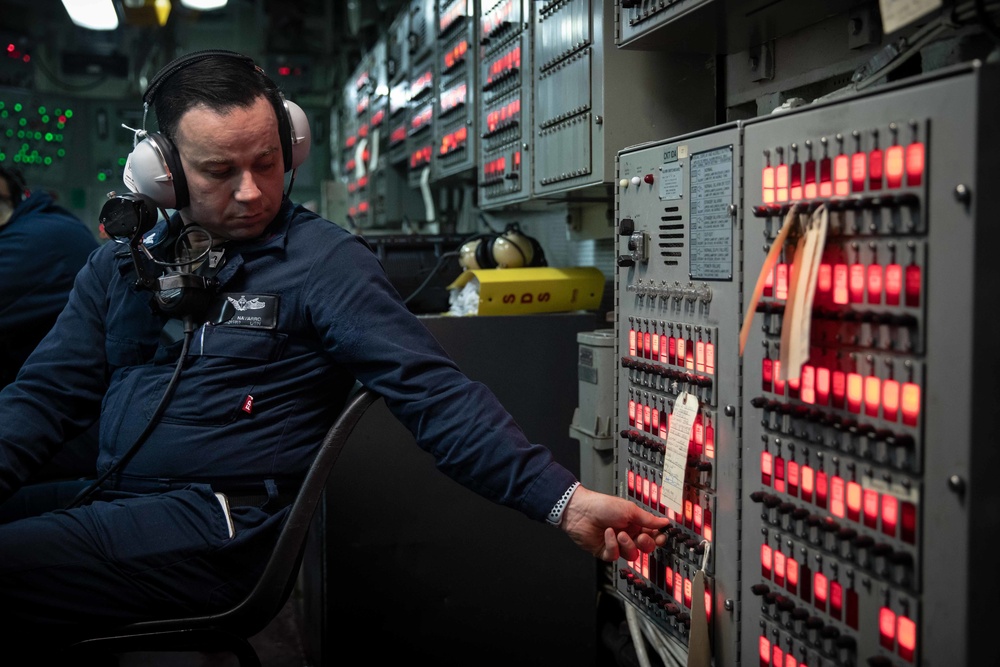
(225, 365)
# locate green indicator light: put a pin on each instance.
(22, 122)
(69, 113)
(102, 177)
(3, 157)
(9, 133)
(49, 136)
(48, 161)
(4, 113)
(61, 152)
(122, 161)
(41, 110)
(38, 136)
(46, 119)
(17, 107)
(60, 125)
(59, 138)
(20, 134)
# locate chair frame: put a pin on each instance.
(231, 630)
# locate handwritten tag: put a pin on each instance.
(675, 457)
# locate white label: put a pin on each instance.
(671, 181)
(898, 13)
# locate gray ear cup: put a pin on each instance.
(301, 135)
(153, 169)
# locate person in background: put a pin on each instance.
(206, 432)
(42, 247)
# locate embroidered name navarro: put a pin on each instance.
(248, 310)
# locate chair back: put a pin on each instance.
(231, 629)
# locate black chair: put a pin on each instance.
(231, 630)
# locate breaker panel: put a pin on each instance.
(852, 486)
(591, 98)
(421, 96)
(455, 137)
(678, 392)
(863, 405)
(504, 102)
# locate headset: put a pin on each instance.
(153, 168)
(510, 249)
(16, 184)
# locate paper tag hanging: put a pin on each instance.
(699, 641)
(675, 457)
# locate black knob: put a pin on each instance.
(626, 227)
(625, 260)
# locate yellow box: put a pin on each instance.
(535, 289)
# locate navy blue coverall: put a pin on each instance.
(314, 311)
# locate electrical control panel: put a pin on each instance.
(455, 137)
(851, 484)
(678, 295)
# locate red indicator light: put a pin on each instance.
(913, 286)
(795, 189)
(672, 350)
(854, 392)
(840, 284)
(914, 163)
(825, 182)
(766, 468)
(906, 633)
(687, 592)
(708, 606)
(820, 592)
(779, 384)
(890, 514)
(856, 283)
(887, 627)
(777, 656)
(655, 356)
(853, 501)
(842, 176)
(645, 490)
(837, 492)
(779, 568)
(663, 348)
(698, 518)
(678, 586)
(640, 345)
(810, 189)
(766, 373)
(875, 169)
(793, 478)
(647, 343)
(821, 489)
(781, 178)
(808, 483)
(870, 503)
(839, 388)
(655, 420)
(852, 608)
(791, 574)
(836, 599)
(765, 561)
(779, 474)
(631, 342)
(710, 358)
(764, 651)
(859, 171)
(808, 384)
(768, 284)
(890, 400)
(790, 661)
(781, 282)
(708, 525)
(709, 440)
(893, 284)
(823, 385)
(908, 522)
(875, 283)
(872, 395)
(824, 283)
(699, 354)
(689, 355)
(910, 403)
(681, 351)
(894, 166)
(647, 417)
(631, 483)
(654, 492)
(767, 185)
(688, 513)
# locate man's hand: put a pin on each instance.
(609, 527)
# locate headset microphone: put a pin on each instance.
(128, 218)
